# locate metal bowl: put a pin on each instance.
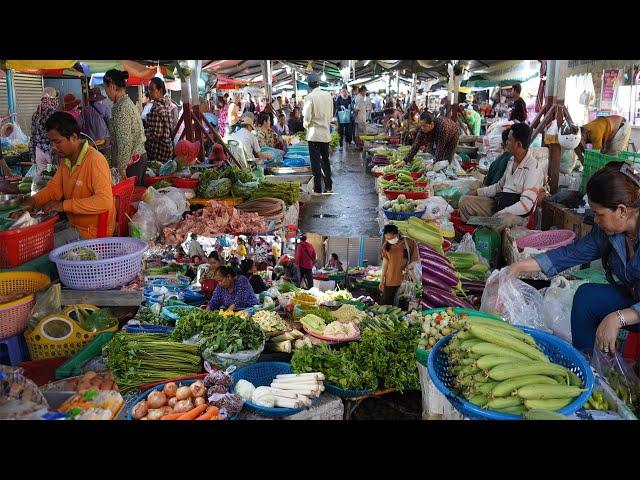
(10, 201)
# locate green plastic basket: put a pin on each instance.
(594, 161)
(73, 367)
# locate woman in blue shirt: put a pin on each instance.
(601, 310)
(232, 291)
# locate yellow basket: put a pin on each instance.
(15, 315)
(42, 345)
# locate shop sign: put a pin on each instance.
(610, 80)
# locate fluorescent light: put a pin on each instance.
(323, 77)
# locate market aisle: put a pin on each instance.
(352, 210)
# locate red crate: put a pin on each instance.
(184, 182)
(24, 244)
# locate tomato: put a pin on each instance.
(438, 319)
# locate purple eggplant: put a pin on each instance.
(431, 269)
(443, 298)
(427, 305)
(435, 282)
(435, 257)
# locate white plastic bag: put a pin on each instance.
(42, 160)
(558, 302)
(442, 165)
(14, 134)
(168, 204)
(512, 299)
(146, 221)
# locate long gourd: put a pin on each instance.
(504, 372)
(504, 340)
(506, 387)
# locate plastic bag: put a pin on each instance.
(436, 208)
(216, 189)
(169, 205)
(14, 134)
(568, 161)
(178, 197)
(168, 168)
(244, 190)
(145, 220)
(512, 299)
(49, 303)
(240, 359)
(620, 377)
(453, 194)
(556, 308)
(441, 165)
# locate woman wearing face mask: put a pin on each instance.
(397, 252)
(600, 310)
(125, 129)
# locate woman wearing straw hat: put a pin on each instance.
(70, 105)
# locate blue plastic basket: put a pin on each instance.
(193, 298)
(172, 287)
(342, 393)
(402, 215)
(261, 374)
(557, 350)
(143, 396)
(148, 328)
(171, 312)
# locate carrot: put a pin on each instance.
(171, 416)
(193, 413)
(208, 415)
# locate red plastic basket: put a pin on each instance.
(150, 180)
(546, 240)
(184, 182)
(394, 140)
(411, 195)
(24, 244)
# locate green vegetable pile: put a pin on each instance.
(82, 254)
(141, 358)
(289, 192)
(161, 184)
(288, 287)
(147, 315)
(97, 321)
(381, 358)
(322, 313)
(218, 333)
(211, 186)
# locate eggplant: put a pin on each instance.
(443, 298)
(435, 257)
(435, 282)
(446, 274)
(426, 305)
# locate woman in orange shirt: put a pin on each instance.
(81, 188)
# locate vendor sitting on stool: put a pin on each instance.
(232, 291)
(513, 197)
(600, 310)
(81, 187)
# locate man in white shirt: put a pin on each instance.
(247, 139)
(317, 114)
(516, 193)
(360, 111)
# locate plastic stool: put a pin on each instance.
(16, 350)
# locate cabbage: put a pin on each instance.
(313, 323)
(245, 389)
(263, 396)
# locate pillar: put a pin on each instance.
(11, 94)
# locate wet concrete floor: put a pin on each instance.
(352, 209)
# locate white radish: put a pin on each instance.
(286, 403)
(284, 393)
(316, 375)
(286, 386)
(303, 391)
(306, 401)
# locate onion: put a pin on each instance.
(199, 401)
(156, 399)
(183, 393)
(170, 389)
(155, 414)
(197, 389)
(139, 410)
(144, 418)
(172, 402)
(166, 410)
(183, 406)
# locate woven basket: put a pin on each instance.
(14, 315)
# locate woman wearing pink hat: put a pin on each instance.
(70, 105)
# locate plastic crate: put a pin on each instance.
(184, 182)
(25, 244)
(594, 161)
(393, 195)
(73, 367)
(391, 215)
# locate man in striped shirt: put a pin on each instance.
(516, 193)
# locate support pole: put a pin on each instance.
(195, 100)
(557, 86)
(186, 110)
(11, 95)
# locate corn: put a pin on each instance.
(548, 404)
(498, 338)
(467, 344)
(480, 378)
(518, 409)
(486, 348)
(504, 372)
(502, 327)
(490, 361)
(479, 400)
(562, 379)
(574, 380)
(486, 387)
(504, 402)
(543, 392)
(506, 387)
(537, 414)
